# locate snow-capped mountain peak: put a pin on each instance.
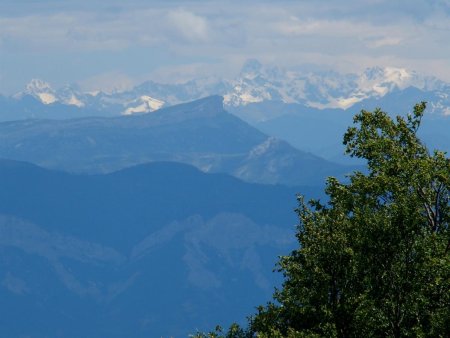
(399, 76)
(41, 90)
(71, 95)
(255, 83)
(380, 81)
(37, 85)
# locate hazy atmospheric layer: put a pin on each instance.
(115, 44)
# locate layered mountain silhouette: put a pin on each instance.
(321, 131)
(200, 133)
(144, 252)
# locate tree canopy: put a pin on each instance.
(374, 259)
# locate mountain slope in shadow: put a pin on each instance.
(160, 249)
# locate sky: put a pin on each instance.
(115, 44)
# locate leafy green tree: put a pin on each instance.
(374, 260)
(235, 331)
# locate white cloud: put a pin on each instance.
(295, 26)
(188, 25)
(384, 41)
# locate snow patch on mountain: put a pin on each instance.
(143, 104)
(47, 98)
(74, 101)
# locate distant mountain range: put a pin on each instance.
(155, 250)
(255, 83)
(200, 133)
(310, 110)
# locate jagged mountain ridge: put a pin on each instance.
(254, 84)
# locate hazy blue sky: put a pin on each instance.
(112, 44)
